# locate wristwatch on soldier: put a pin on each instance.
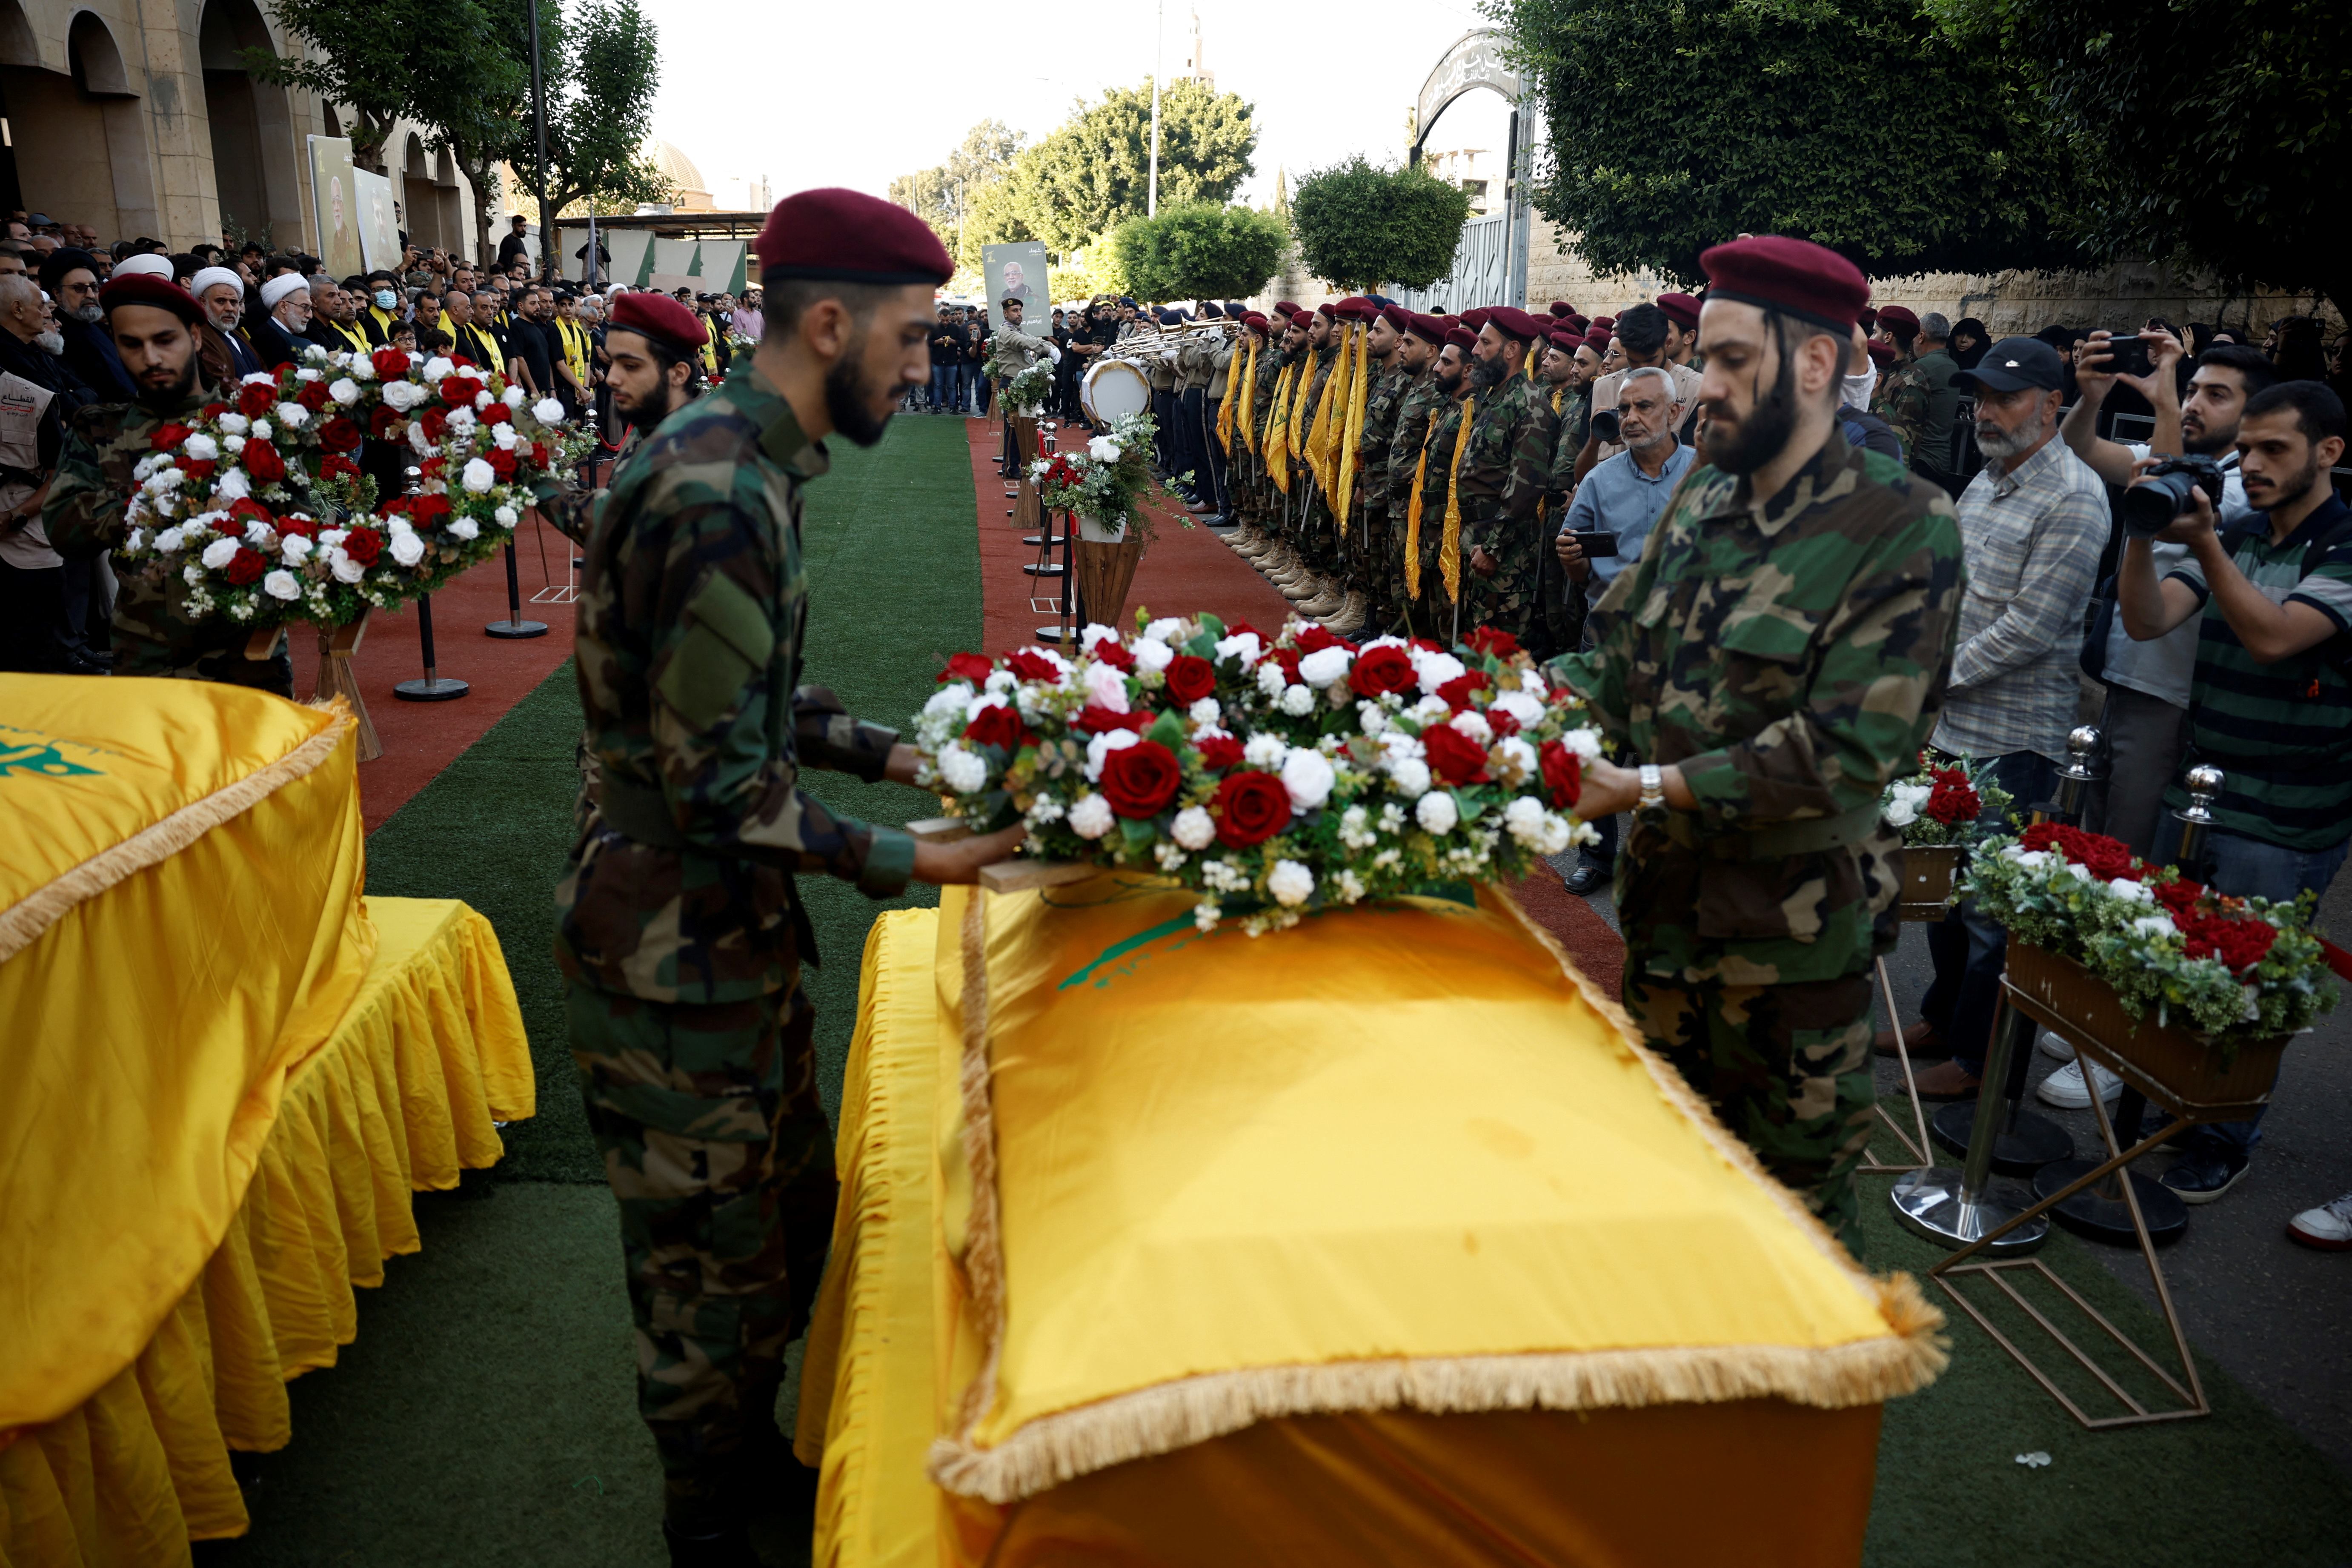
(1652, 806)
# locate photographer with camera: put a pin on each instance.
(2271, 695)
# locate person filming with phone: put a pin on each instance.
(1615, 506)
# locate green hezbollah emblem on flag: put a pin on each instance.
(44, 759)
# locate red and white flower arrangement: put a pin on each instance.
(1275, 777)
(1944, 804)
(2232, 968)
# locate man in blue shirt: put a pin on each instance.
(1624, 495)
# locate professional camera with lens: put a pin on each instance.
(1606, 427)
(2164, 492)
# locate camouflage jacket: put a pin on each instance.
(692, 611)
(1381, 404)
(1444, 425)
(1507, 467)
(1902, 400)
(1792, 654)
(1419, 406)
(569, 506)
(1572, 420)
(1270, 362)
(1324, 363)
(83, 516)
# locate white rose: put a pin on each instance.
(1167, 629)
(135, 540)
(953, 700)
(483, 399)
(547, 411)
(294, 549)
(2027, 859)
(1102, 449)
(400, 397)
(507, 517)
(466, 528)
(293, 415)
(965, 770)
(479, 476)
(193, 574)
(1204, 711)
(1090, 816)
(282, 585)
(2156, 925)
(343, 390)
(1473, 723)
(1243, 646)
(234, 444)
(1409, 776)
(1291, 883)
(1436, 812)
(345, 569)
(234, 424)
(261, 430)
(438, 366)
(514, 398)
(1264, 750)
(1102, 746)
(1325, 666)
(2132, 892)
(1151, 655)
(1107, 687)
(1518, 758)
(1298, 700)
(407, 548)
(1270, 678)
(1307, 776)
(259, 534)
(363, 368)
(504, 435)
(201, 448)
(1428, 711)
(1900, 813)
(1585, 742)
(1524, 818)
(1371, 717)
(1193, 829)
(418, 440)
(218, 554)
(1435, 669)
(1525, 709)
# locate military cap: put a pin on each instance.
(1867, 317)
(1284, 309)
(1579, 325)
(1462, 338)
(1898, 316)
(848, 236)
(1680, 308)
(146, 288)
(1881, 354)
(662, 319)
(1563, 307)
(1397, 316)
(1793, 276)
(1328, 309)
(1476, 320)
(1606, 323)
(1428, 329)
(1255, 321)
(1597, 340)
(1513, 322)
(1565, 338)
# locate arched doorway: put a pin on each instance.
(256, 172)
(1469, 131)
(78, 150)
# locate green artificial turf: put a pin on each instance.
(894, 586)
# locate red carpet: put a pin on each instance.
(1597, 951)
(420, 738)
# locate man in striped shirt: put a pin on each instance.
(2270, 701)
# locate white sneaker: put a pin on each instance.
(2064, 1087)
(2050, 1045)
(2328, 1227)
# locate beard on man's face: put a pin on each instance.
(163, 388)
(647, 412)
(1486, 373)
(849, 397)
(1743, 445)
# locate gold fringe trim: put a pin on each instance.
(29, 916)
(1052, 1449)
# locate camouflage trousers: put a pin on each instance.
(1507, 600)
(718, 1152)
(1786, 1067)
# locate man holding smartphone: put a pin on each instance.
(1601, 536)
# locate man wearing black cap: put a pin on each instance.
(1773, 659)
(680, 930)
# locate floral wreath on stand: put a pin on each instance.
(1106, 479)
(1943, 804)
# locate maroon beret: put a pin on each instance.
(1898, 316)
(1882, 354)
(146, 288)
(1428, 329)
(1449, 322)
(1476, 320)
(1795, 276)
(1397, 316)
(1284, 309)
(659, 317)
(1513, 322)
(1680, 308)
(1605, 324)
(1578, 324)
(1563, 307)
(1867, 319)
(1564, 340)
(1254, 320)
(849, 237)
(1328, 309)
(1462, 338)
(1597, 340)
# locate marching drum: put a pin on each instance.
(1113, 389)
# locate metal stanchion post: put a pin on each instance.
(432, 689)
(514, 625)
(1965, 1206)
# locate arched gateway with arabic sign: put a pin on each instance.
(1490, 267)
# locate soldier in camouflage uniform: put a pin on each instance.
(1436, 613)
(153, 323)
(680, 932)
(654, 347)
(1905, 391)
(1390, 382)
(1777, 655)
(1505, 470)
(1416, 359)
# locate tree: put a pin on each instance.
(480, 110)
(1853, 124)
(1360, 224)
(375, 70)
(601, 78)
(1092, 173)
(939, 194)
(2217, 131)
(1197, 252)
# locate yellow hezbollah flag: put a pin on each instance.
(1350, 451)
(1449, 551)
(1277, 431)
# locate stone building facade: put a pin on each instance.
(138, 118)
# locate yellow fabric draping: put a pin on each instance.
(1449, 550)
(183, 873)
(1277, 431)
(1377, 1240)
(399, 1098)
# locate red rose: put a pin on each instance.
(1315, 640)
(245, 566)
(1453, 755)
(497, 414)
(335, 466)
(212, 411)
(262, 461)
(436, 423)
(200, 467)
(1097, 720)
(428, 510)
(307, 527)
(1250, 809)
(1218, 752)
(1142, 779)
(971, 667)
(460, 391)
(2238, 943)
(246, 510)
(999, 726)
(383, 421)
(1190, 679)
(1286, 660)
(1236, 628)
(1381, 670)
(391, 364)
(1428, 646)
(1953, 803)
(2178, 897)
(1492, 640)
(364, 545)
(1501, 723)
(169, 437)
(1563, 774)
(313, 396)
(256, 399)
(1032, 666)
(1456, 692)
(542, 454)
(1108, 651)
(340, 434)
(502, 463)
(432, 467)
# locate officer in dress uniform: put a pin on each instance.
(1779, 654)
(680, 931)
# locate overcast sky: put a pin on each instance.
(851, 94)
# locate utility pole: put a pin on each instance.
(1152, 196)
(539, 174)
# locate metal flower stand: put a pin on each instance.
(1928, 872)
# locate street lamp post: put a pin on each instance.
(1151, 195)
(538, 173)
